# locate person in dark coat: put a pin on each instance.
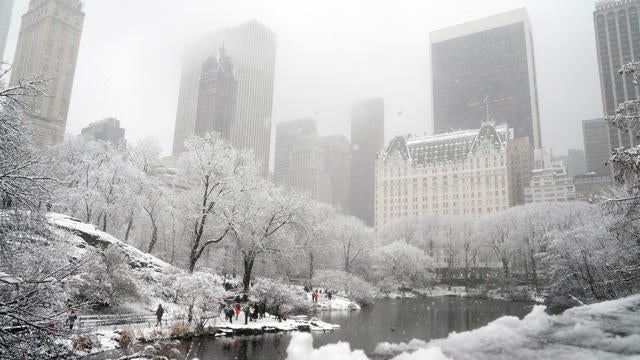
(159, 313)
(71, 319)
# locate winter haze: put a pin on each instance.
(329, 54)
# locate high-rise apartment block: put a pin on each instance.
(337, 156)
(216, 96)
(48, 45)
(307, 171)
(251, 48)
(106, 130)
(596, 145)
(367, 138)
(486, 63)
(549, 179)
(6, 6)
(462, 173)
(618, 43)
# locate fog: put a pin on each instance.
(329, 54)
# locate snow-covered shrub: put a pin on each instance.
(179, 328)
(405, 264)
(85, 342)
(353, 286)
(291, 299)
(127, 339)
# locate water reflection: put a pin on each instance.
(388, 320)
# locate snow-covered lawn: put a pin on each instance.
(607, 330)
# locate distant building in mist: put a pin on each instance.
(287, 133)
(367, 138)
(597, 151)
(251, 48)
(490, 58)
(48, 44)
(106, 130)
(217, 94)
(307, 169)
(6, 7)
(337, 159)
(618, 43)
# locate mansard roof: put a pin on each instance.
(446, 147)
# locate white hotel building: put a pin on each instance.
(462, 173)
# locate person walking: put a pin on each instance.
(159, 313)
(237, 310)
(71, 319)
(229, 314)
(247, 310)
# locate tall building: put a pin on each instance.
(589, 186)
(617, 42)
(486, 63)
(48, 44)
(337, 155)
(106, 129)
(6, 6)
(252, 49)
(520, 158)
(462, 173)
(367, 138)
(287, 133)
(549, 179)
(217, 93)
(596, 145)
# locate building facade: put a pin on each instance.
(307, 169)
(6, 7)
(462, 173)
(287, 133)
(592, 185)
(487, 63)
(252, 48)
(106, 130)
(337, 155)
(617, 42)
(48, 44)
(520, 158)
(367, 138)
(216, 96)
(595, 135)
(549, 180)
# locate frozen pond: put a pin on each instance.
(390, 320)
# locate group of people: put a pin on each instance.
(252, 311)
(315, 294)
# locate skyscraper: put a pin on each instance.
(217, 94)
(617, 42)
(286, 135)
(486, 62)
(596, 145)
(252, 49)
(367, 137)
(48, 44)
(6, 6)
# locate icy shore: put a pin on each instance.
(607, 330)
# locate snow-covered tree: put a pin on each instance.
(352, 239)
(404, 264)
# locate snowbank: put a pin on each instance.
(338, 303)
(608, 330)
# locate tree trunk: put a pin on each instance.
(129, 225)
(248, 267)
(154, 235)
(310, 265)
(104, 222)
(505, 267)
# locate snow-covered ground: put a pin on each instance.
(607, 330)
(337, 303)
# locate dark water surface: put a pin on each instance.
(391, 320)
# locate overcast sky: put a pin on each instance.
(330, 53)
